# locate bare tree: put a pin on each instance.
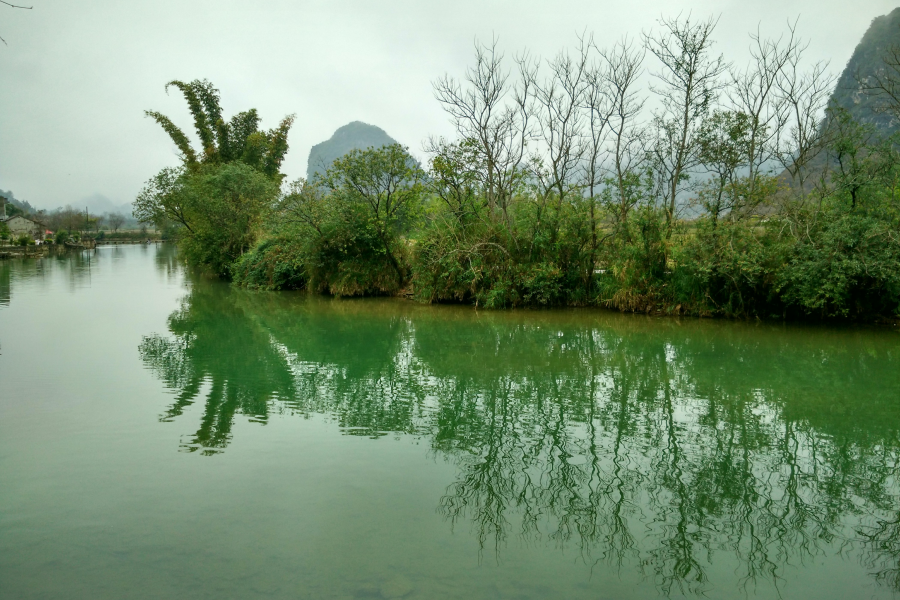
(805, 95)
(623, 67)
(559, 126)
(753, 91)
(115, 220)
(492, 112)
(598, 106)
(688, 84)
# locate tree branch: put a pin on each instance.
(12, 6)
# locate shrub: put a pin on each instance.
(275, 264)
(847, 267)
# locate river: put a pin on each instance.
(163, 435)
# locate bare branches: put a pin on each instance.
(884, 83)
(688, 84)
(804, 95)
(494, 113)
(12, 6)
(623, 66)
(560, 120)
(754, 92)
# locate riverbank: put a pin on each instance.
(23, 251)
(37, 250)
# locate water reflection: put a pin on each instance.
(75, 268)
(5, 282)
(652, 445)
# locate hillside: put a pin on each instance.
(352, 136)
(22, 205)
(867, 59)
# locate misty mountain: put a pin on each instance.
(352, 136)
(22, 204)
(98, 204)
(868, 59)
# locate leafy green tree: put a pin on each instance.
(238, 139)
(856, 152)
(220, 207)
(220, 194)
(386, 186)
(346, 232)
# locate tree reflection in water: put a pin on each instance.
(645, 444)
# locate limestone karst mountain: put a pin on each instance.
(352, 136)
(868, 60)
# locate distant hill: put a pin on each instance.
(867, 59)
(98, 204)
(21, 204)
(352, 136)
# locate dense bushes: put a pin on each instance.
(346, 234)
(829, 260)
(275, 264)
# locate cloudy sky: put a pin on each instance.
(76, 75)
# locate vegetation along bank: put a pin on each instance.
(650, 175)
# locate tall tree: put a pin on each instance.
(388, 183)
(688, 83)
(221, 193)
(238, 139)
(493, 112)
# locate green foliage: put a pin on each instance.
(275, 264)
(531, 253)
(215, 203)
(726, 268)
(61, 237)
(847, 267)
(345, 233)
(221, 208)
(238, 139)
(24, 240)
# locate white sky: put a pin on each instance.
(77, 75)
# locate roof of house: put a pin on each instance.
(7, 219)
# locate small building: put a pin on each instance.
(20, 225)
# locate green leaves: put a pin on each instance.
(239, 139)
(219, 197)
(219, 208)
(188, 156)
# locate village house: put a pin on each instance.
(19, 225)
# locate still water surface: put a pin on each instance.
(163, 436)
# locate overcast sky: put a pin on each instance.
(77, 75)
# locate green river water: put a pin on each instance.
(167, 436)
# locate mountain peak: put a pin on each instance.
(355, 135)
